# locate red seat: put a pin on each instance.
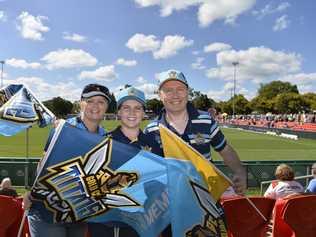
(243, 220)
(9, 213)
(280, 228)
(299, 213)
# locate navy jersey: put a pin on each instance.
(144, 141)
(201, 131)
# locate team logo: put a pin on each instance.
(85, 186)
(213, 224)
(172, 74)
(146, 148)
(199, 139)
(131, 92)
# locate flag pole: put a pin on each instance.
(254, 206)
(26, 167)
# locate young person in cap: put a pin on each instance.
(195, 127)
(94, 102)
(131, 111)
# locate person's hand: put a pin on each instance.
(55, 123)
(27, 201)
(240, 182)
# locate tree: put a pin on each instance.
(154, 105)
(242, 105)
(59, 106)
(112, 105)
(274, 88)
(290, 103)
(311, 100)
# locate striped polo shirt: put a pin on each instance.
(201, 132)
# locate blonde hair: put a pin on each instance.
(284, 172)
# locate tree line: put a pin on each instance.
(276, 97)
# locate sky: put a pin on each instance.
(57, 47)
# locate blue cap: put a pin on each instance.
(171, 75)
(130, 93)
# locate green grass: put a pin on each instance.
(249, 145)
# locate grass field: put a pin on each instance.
(249, 145)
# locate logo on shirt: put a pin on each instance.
(199, 139)
(146, 148)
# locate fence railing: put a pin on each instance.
(22, 170)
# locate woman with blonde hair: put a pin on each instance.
(285, 184)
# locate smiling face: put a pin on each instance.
(131, 113)
(93, 108)
(174, 96)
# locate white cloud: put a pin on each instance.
(74, 37)
(303, 81)
(3, 16)
(141, 80)
(171, 45)
(227, 10)
(208, 11)
(195, 52)
(281, 23)
(140, 43)
(127, 63)
(198, 64)
(256, 64)
(68, 58)
(44, 90)
(105, 73)
(215, 47)
(150, 90)
(226, 92)
(21, 63)
(269, 9)
(31, 27)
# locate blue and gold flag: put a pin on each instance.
(20, 109)
(88, 178)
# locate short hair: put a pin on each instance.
(284, 172)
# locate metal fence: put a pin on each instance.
(22, 170)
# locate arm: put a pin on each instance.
(232, 160)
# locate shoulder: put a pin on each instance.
(152, 126)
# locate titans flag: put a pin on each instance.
(87, 178)
(20, 109)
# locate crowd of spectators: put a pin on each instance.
(301, 121)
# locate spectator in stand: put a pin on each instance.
(311, 188)
(6, 188)
(285, 184)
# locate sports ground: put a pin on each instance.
(250, 146)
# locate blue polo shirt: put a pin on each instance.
(311, 188)
(145, 142)
(201, 132)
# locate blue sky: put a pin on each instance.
(56, 47)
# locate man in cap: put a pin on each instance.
(195, 127)
(95, 100)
